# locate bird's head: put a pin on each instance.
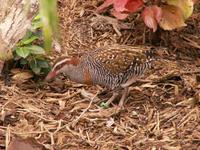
(62, 65)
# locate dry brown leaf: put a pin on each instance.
(172, 17)
(25, 144)
(15, 70)
(186, 6)
(151, 16)
(22, 76)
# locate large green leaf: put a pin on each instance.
(22, 52)
(28, 40)
(34, 49)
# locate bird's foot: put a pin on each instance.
(124, 95)
(114, 96)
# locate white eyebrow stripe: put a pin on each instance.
(60, 62)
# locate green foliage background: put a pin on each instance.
(33, 50)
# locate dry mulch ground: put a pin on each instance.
(162, 112)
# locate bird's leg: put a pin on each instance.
(115, 94)
(103, 91)
(129, 82)
(124, 95)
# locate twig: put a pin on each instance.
(28, 133)
(190, 72)
(191, 42)
(7, 137)
(73, 123)
(65, 96)
(72, 95)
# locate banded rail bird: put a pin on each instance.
(115, 67)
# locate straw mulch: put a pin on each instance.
(162, 111)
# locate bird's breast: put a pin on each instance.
(87, 78)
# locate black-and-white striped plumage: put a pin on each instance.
(113, 66)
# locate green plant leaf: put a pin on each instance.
(38, 17)
(23, 61)
(45, 71)
(36, 25)
(36, 70)
(22, 52)
(29, 33)
(104, 105)
(43, 64)
(34, 49)
(34, 67)
(29, 40)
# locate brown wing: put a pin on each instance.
(118, 57)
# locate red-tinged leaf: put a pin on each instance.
(157, 12)
(119, 15)
(151, 16)
(150, 21)
(119, 5)
(195, 1)
(106, 4)
(22, 76)
(133, 5)
(172, 17)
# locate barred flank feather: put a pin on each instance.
(103, 72)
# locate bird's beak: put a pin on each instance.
(51, 75)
